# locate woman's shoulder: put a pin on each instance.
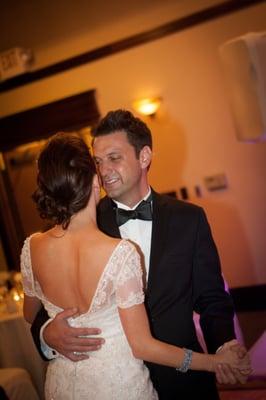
(37, 238)
(31, 238)
(118, 245)
(127, 249)
(40, 242)
(121, 243)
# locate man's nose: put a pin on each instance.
(104, 168)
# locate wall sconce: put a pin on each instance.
(14, 62)
(148, 106)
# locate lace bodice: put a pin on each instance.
(121, 278)
(112, 372)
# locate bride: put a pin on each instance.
(75, 265)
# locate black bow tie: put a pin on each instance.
(143, 211)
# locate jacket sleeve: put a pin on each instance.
(211, 300)
(40, 319)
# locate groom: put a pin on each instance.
(182, 266)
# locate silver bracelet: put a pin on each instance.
(186, 362)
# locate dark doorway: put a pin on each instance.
(21, 137)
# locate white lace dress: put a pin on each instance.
(111, 373)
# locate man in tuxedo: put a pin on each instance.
(182, 267)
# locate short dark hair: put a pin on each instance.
(64, 181)
(138, 133)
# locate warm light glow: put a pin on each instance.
(16, 297)
(147, 106)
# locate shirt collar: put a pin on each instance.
(125, 207)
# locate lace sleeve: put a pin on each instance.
(129, 284)
(26, 270)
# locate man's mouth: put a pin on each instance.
(110, 181)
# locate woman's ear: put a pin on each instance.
(145, 157)
(95, 182)
(96, 187)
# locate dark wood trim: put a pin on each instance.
(249, 298)
(66, 114)
(186, 22)
(12, 234)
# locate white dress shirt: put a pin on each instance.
(139, 232)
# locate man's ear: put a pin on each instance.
(145, 157)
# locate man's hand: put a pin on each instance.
(225, 374)
(68, 341)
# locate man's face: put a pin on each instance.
(120, 170)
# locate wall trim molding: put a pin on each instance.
(161, 31)
(70, 113)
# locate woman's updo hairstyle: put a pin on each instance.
(64, 181)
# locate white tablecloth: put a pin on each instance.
(18, 350)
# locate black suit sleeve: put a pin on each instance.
(40, 319)
(211, 301)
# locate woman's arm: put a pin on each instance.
(136, 327)
(129, 298)
(31, 306)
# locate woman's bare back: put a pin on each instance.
(68, 266)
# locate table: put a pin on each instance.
(18, 350)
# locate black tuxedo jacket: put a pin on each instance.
(184, 275)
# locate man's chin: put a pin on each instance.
(112, 193)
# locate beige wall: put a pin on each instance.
(193, 132)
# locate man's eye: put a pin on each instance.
(115, 158)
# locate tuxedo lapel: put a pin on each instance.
(107, 223)
(159, 231)
(106, 218)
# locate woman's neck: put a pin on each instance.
(85, 218)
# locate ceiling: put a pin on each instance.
(36, 23)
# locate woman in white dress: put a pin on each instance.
(75, 265)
